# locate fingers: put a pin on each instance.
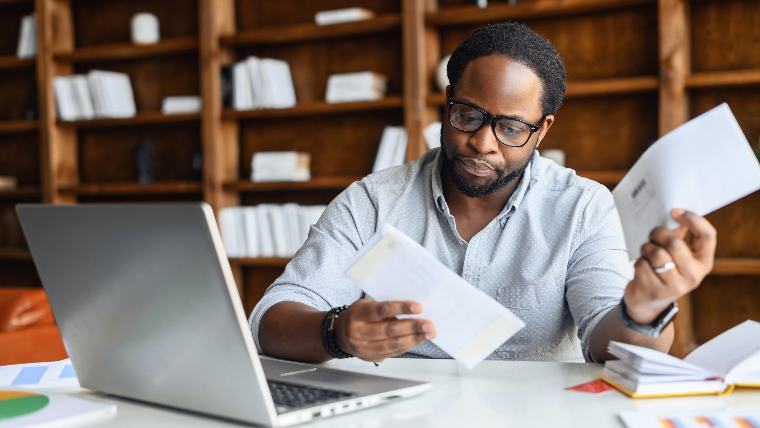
(677, 249)
(377, 311)
(381, 349)
(703, 233)
(658, 257)
(390, 329)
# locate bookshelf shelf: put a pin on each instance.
(588, 88)
(160, 188)
(723, 78)
(309, 32)
(10, 2)
(316, 108)
(277, 262)
(736, 266)
(15, 254)
(123, 51)
(467, 15)
(21, 192)
(145, 118)
(316, 183)
(11, 62)
(18, 126)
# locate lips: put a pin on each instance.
(476, 168)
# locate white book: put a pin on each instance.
(112, 93)
(432, 134)
(730, 359)
(280, 166)
(27, 40)
(266, 245)
(347, 96)
(229, 230)
(339, 16)
(359, 86)
(123, 96)
(470, 324)
(279, 234)
(399, 149)
(307, 217)
(242, 92)
(257, 84)
(64, 98)
(82, 91)
(96, 95)
(285, 88)
(387, 148)
(251, 232)
(292, 230)
(181, 104)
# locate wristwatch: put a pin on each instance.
(656, 327)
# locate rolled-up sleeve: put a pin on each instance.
(598, 269)
(315, 276)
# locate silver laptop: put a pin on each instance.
(148, 310)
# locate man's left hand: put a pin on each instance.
(672, 264)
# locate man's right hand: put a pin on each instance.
(370, 331)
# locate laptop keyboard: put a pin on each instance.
(288, 396)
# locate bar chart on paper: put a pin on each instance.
(53, 374)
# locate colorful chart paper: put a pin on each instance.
(19, 403)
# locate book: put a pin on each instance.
(392, 148)
(27, 39)
(181, 104)
(8, 183)
(280, 166)
(251, 232)
(731, 359)
(242, 93)
(340, 16)
(359, 86)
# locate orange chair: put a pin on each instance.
(28, 332)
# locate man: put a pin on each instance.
(542, 241)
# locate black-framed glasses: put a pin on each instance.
(510, 131)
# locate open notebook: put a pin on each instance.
(730, 359)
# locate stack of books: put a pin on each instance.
(340, 16)
(280, 166)
(260, 83)
(729, 360)
(267, 230)
(98, 94)
(27, 38)
(181, 104)
(392, 149)
(360, 86)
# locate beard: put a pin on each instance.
(477, 190)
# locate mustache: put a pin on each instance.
(478, 161)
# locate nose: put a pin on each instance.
(483, 141)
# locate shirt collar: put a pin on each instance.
(512, 204)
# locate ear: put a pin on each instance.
(545, 125)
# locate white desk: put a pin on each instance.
(504, 394)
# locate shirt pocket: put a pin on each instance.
(520, 297)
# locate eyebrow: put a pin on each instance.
(508, 116)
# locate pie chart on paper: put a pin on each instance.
(19, 403)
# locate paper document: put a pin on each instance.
(470, 325)
(718, 418)
(54, 374)
(700, 166)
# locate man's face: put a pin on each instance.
(476, 161)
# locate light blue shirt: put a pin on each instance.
(555, 254)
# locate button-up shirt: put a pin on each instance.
(555, 254)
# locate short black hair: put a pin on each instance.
(521, 44)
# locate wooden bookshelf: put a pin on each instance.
(142, 118)
(316, 108)
(158, 188)
(10, 62)
(124, 51)
(15, 255)
(17, 126)
(625, 89)
(504, 12)
(316, 183)
(276, 262)
(311, 32)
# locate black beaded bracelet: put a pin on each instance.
(328, 333)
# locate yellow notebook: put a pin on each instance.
(729, 360)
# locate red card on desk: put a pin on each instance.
(593, 387)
